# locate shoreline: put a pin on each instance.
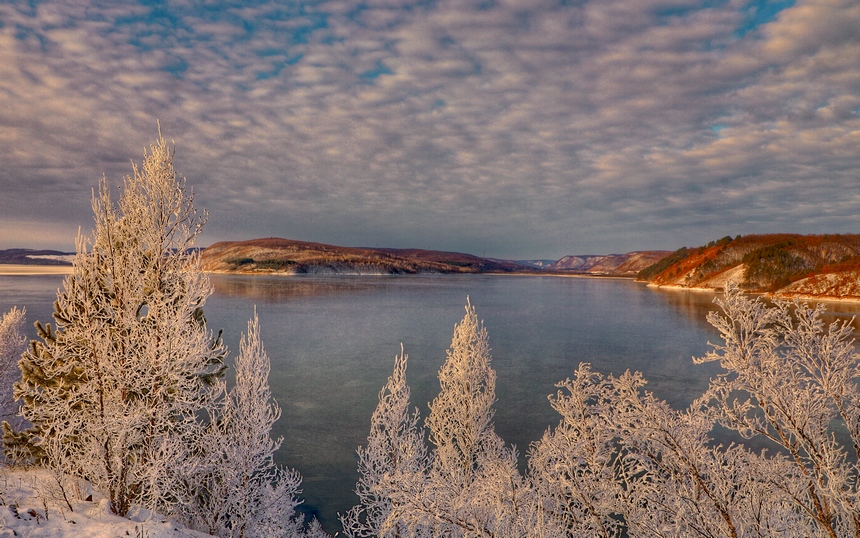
(36, 270)
(19, 269)
(768, 295)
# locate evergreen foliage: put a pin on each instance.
(776, 266)
(130, 367)
(769, 262)
(660, 266)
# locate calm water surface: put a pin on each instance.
(332, 342)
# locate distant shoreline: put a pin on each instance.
(33, 270)
(17, 269)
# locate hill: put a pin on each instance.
(785, 265)
(628, 265)
(25, 256)
(275, 255)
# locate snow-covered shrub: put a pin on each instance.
(12, 345)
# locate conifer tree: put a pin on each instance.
(394, 459)
(469, 485)
(123, 380)
(239, 491)
(473, 474)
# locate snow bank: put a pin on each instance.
(30, 507)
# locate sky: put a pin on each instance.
(503, 128)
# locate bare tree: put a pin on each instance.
(622, 462)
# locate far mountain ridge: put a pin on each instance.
(278, 255)
(288, 256)
(627, 265)
(785, 265)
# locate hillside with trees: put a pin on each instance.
(276, 255)
(785, 265)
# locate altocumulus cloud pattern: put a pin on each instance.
(521, 128)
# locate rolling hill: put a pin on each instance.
(275, 255)
(627, 265)
(25, 256)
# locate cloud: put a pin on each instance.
(528, 129)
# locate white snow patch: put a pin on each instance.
(29, 507)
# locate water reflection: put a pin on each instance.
(695, 304)
(276, 288)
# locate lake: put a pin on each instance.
(332, 342)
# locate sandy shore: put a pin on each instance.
(787, 296)
(15, 269)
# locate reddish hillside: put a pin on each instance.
(783, 264)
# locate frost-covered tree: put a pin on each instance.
(394, 460)
(124, 379)
(240, 492)
(474, 485)
(12, 345)
(622, 462)
(470, 485)
(793, 380)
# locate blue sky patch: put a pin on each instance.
(762, 12)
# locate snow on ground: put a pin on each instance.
(31, 507)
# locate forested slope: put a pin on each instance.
(276, 255)
(825, 266)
